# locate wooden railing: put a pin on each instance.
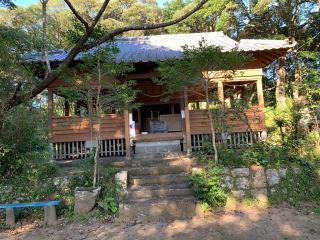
(78, 149)
(251, 120)
(70, 129)
(230, 140)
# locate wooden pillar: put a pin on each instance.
(10, 218)
(260, 93)
(139, 121)
(127, 134)
(261, 105)
(66, 108)
(221, 93)
(187, 122)
(50, 216)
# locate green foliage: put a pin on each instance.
(297, 188)
(177, 74)
(206, 185)
(109, 204)
(24, 132)
(108, 200)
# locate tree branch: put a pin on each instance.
(109, 35)
(76, 14)
(101, 11)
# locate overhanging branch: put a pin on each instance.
(109, 35)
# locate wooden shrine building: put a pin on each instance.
(180, 124)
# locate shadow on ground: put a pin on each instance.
(234, 223)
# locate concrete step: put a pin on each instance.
(159, 209)
(182, 185)
(157, 170)
(163, 146)
(160, 179)
(163, 192)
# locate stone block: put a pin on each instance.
(296, 170)
(85, 199)
(238, 193)
(258, 177)
(240, 172)
(283, 172)
(122, 179)
(225, 171)
(272, 177)
(242, 183)
(227, 182)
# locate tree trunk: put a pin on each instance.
(297, 79)
(1, 122)
(45, 37)
(213, 134)
(281, 81)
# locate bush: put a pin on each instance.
(297, 188)
(206, 185)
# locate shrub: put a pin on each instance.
(206, 185)
(297, 188)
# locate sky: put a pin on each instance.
(27, 2)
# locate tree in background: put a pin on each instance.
(216, 15)
(198, 67)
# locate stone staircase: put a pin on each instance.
(158, 187)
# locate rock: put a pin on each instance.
(242, 183)
(227, 182)
(296, 170)
(225, 171)
(283, 172)
(85, 199)
(258, 177)
(122, 179)
(238, 193)
(272, 177)
(240, 172)
(62, 182)
(5, 189)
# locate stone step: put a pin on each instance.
(175, 155)
(152, 162)
(159, 209)
(157, 170)
(163, 146)
(160, 179)
(159, 193)
(182, 185)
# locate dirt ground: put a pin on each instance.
(234, 223)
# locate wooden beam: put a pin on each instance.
(187, 122)
(260, 93)
(127, 134)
